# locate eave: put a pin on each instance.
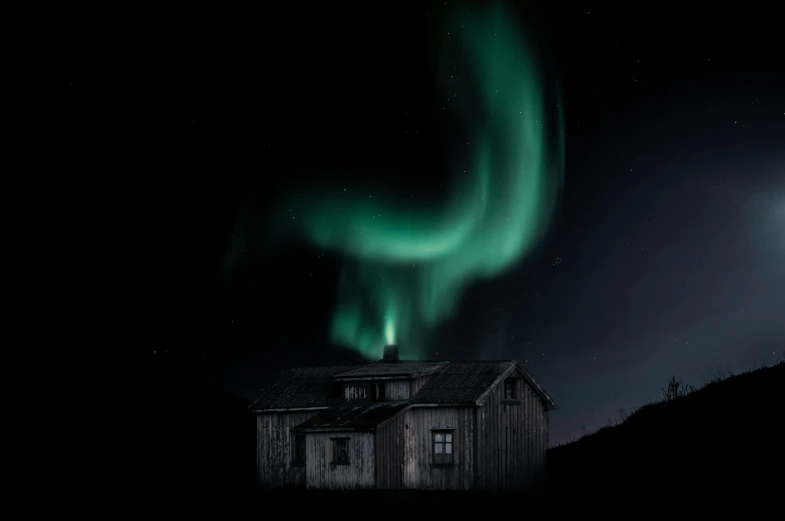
(406, 376)
(457, 404)
(551, 405)
(331, 429)
(289, 409)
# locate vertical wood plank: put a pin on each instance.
(512, 439)
(274, 448)
(423, 473)
(360, 472)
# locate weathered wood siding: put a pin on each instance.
(390, 453)
(393, 389)
(322, 474)
(397, 390)
(360, 391)
(357, 391)
(419, 470)
(273, 448)
(512, 439)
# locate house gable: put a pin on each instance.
(529, 379)
(517, 371)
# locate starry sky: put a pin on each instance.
(648, 161)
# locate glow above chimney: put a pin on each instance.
(389, 332)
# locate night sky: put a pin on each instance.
(653, 245)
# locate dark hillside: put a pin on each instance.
(727, 436)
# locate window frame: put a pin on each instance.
(514, 383)
(378, 392)
(442, 461)
(294, 461)
(336, 441)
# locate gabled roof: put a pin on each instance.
(383, 369)
(467, 383)
(539, 390)
(352, 417)
(461, 382)
(303, 388)
(456, 383)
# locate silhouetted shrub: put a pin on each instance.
(676, 389)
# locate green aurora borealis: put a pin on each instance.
(407, 264)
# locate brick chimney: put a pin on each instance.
(390, 353)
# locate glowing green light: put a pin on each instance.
(389, 332)
(407, 265)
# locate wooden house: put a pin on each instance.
(394, 424)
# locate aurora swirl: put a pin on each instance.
(407, 264)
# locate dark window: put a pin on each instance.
(298, 449)
(377, 392)
(443, 447)
(340, 451)
(509, 389)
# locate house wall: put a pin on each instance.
(419, 470)
(322, 474)
(360, 391)
(397, 389)
(393, 389)
(511, 439)
(390, 443)
(356, 391)
(273, 448)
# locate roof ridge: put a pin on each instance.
(404, 361)
(324, 366)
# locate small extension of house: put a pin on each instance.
(396, 424)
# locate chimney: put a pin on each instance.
(390, 353)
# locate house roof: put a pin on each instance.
(303, 388)
(461, 382)
(539, 390)
(467, 382)
(383, 369)
(353, 417)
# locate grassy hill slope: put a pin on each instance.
(726, 436)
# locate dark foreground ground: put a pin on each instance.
(726, 438)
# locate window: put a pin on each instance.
(340, 451)
(377, 392)
(443, 447)
(509, 389)
(298, 449)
